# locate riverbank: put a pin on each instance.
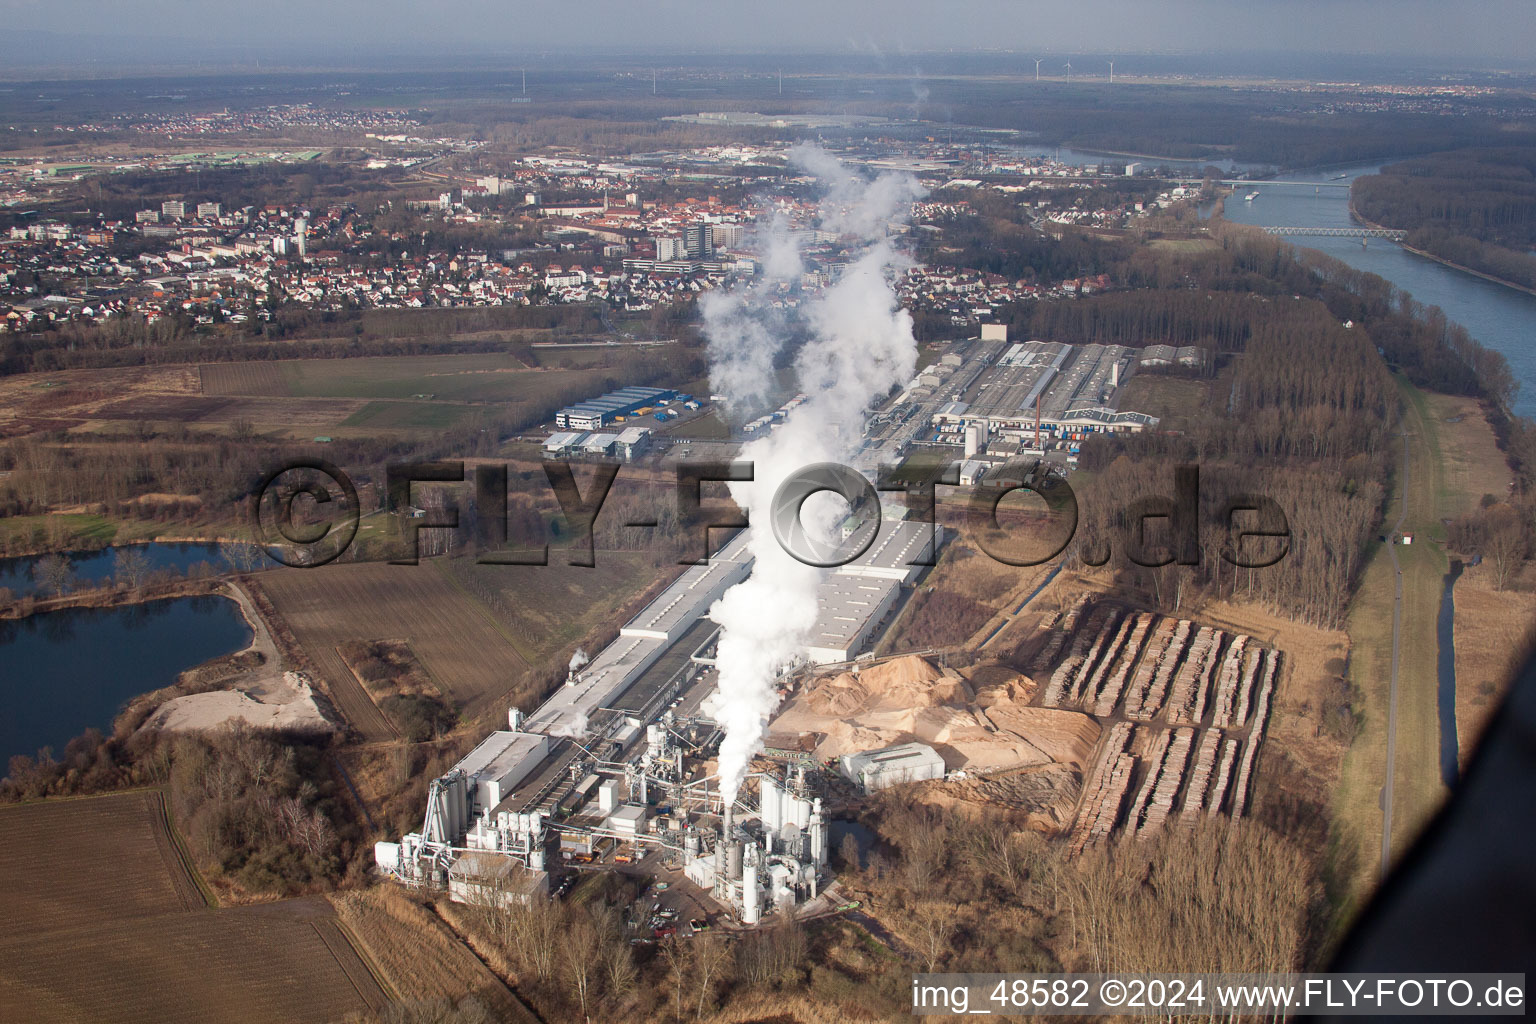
(1467, 270)
(1356, 216)
(75, 529)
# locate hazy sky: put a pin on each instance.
(1454, 29)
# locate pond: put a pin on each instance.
(95, 567)
(63, 672)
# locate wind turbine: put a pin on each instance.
(1037, 68)
(1068, 66)
(1111, 72)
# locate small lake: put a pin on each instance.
(95, 567)
(838, 828)
(65, 671)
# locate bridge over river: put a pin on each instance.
(1392, 233)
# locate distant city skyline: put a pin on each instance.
(1475, 31)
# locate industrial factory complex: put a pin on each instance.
(616, 757)
(989, 401)
(618, 761)
(986, 400)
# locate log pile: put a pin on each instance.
(1206, 683)
(1227, 682)
(1257, 656)
(1060, 635)
(1200, 777)
(1162, 636)
(1154, 762)
(1066, 673)
(1104, 639)
(1168, 781)
(1223, 776)
(1152, 702)
(1105, 789)
(1060, 679)
(1109, 695)
(1255, 737)
(1112, 653)
(1188, 698)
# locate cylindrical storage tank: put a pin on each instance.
(733, 858)
(972, 441)
(750, 911)
(818, 836)
(690, 844)
(770, 799)
(455, 797)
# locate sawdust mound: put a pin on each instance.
(846, 738)
(905, 683)
(1065, 736)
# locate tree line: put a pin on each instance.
(1472, 207)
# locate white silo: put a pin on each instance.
(818, 835)
(751, 910)
(972, 440)
(771, 801)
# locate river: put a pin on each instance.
(1503, 319)
(69, 670)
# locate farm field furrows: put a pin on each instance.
(385, 415)
(105, 924)
(456, 639)
(418, 956)
(239, 964)
(550, 606)
(263, 379)
(75, 891)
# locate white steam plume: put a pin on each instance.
(861, 346)
(578, 659)
(574, 729)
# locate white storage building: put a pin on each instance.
(891, 766)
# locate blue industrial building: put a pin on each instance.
(596, 413)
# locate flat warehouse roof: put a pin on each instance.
(499, 753)
(896, 546)
(689, 597)
(642, 690)
(846, 604)
(617, 664)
